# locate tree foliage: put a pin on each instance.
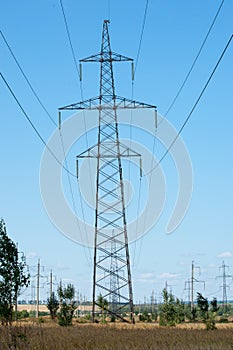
(207, 310)
(67, 305)
(172, 310)
(12, 275)
(53, 305)
(103, 304)
(180, 311)
(167, 315)
(145, 317)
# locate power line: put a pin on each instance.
(195, 60)
(183, 84)
(131, 119)
(27, 80)
(33, 126)
(73, 202)
(165, 154)
(193, 108)
(144, 220)
(48, 114)
(85, 126)
(140, 41)
(79, 73)
(109, 10)
(44, 108)
(138, 212)
(45, 144)
(69, 38)
(80, 80)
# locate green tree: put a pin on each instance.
(145, 317)
(180, 311)
(191, 313)
(207, 311)
(203, 306)
(172, 310)
(12, 275)
(214, 305)
(103, 304)
(67, 305)
(53, 305)
(194, 315)
(168, 312)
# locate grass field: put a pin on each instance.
(49, 336)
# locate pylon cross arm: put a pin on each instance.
(106, 56)
(125, 152)
(118, 102)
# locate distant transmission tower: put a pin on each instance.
(114, 278)
(224, 277)
(110, 202)
(192, 282)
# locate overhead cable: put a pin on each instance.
(80, 80)
(131, 115)
(33, 126)
(69, 173)
(65, 167)
(193, 108)
(27, 80)
(142, 32)
(69, 38)
(195, 60)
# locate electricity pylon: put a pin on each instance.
(224, 277)
(114, 280)
(189, 285)
(110, 213)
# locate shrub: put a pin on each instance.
(67, 305)
(53, 305)
(145, 317)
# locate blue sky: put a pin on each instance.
(173, 34)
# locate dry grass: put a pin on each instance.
(112, 336)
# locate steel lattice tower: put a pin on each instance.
(114, 280)
(224, 286)
(112, 273)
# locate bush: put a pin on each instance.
(210, 324)
(67, 305)
(145, 317)
(21, 314)
(168, 312)
(207, 311)
(53, 305)
(24, 314)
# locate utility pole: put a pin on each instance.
(51, 283)
(193, 281)
(192, 286)
(38, 276)
(16, 294)
(224, 286)
(110, 213)
(145, 304)
(153, 301)
(168, 285)
(60, 287)
(188, 288)
(38, 288)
